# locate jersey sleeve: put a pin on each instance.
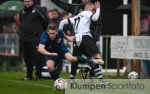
(72, 20)
(43, 38)
(96, 15)
(62, 23)
(61, 33)
(64, 48)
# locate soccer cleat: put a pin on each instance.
(98, 61)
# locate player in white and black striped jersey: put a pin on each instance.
(85, 43)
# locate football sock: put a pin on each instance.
(54, 75)
(74, 67)
(91, 73)
(98, 72)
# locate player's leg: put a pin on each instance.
(98, 72)
(91, 66)
(27, 51)
(75, 59)
(92, 51)
(58, 67)
(66, 53)
(51, 69)
(91, 73)
(74, 66)
(39, 61)
(52, 62)
(50, 65)
(93, 69)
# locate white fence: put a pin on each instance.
(9, 44)
(130, 47)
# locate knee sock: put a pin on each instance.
(98, 72)
(74, 67)
(54, 75)
(91, 73)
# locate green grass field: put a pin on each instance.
(11, 83)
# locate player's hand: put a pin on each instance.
(74, 59)
(97, 4)
(53, 54)
(71, 38)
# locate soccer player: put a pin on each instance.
(52, 46)
(86, 44)
(74, 9)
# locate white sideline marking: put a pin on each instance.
(26, 83)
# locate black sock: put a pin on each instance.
(54, 75)
(74, 67)
(91, 73)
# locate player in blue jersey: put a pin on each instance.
(52, 46)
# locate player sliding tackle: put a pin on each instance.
(52, 46)
(86, 44)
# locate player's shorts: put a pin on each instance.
(60, 55)
(88, 46)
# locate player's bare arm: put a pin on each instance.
(42, 50)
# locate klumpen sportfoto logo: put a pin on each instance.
(107, 86)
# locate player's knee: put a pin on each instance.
(50, 68)
(50, 65)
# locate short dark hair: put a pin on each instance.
(52, 26)
(64, 14)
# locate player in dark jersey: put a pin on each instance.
(52, 46)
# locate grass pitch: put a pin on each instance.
(11, 83)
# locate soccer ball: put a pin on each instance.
(60, 84)
(133, 75)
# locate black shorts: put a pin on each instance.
(87, 47)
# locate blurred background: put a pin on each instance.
(112, 20)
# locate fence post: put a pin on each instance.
(106, 56)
